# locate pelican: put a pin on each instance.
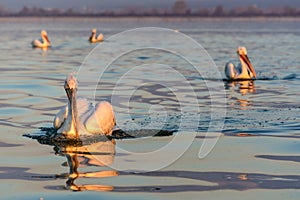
(44, 42)
(80, 117)
(244, 70)
(93, 38)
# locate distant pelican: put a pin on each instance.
(244, 70)
(80, 117)
(94, 38)
(44, 42)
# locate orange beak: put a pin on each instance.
(247, 61)
(47, 39)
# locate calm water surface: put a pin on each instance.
(257, 155)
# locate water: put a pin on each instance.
(257, 154)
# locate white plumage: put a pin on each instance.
(94, 38)
(44, 42)
(80, 117)
(244, 70)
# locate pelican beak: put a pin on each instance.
(247, 61)
(72, 101)
(47, 39)
(69, 93)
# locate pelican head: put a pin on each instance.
(71, 125)
(92, 38)
(45, 36)
(70, 86)
(44, 33)
(242, 52)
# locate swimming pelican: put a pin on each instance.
(244, 70)
(42, 43)
(80, 117)
(94, 38)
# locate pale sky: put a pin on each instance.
(116, 4)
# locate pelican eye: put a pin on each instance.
(67, 85)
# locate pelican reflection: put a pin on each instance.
(243, 88)
(100, 155)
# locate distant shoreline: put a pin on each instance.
(147, 18)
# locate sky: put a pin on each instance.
(15, 5)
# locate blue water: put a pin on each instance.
(256, 156)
